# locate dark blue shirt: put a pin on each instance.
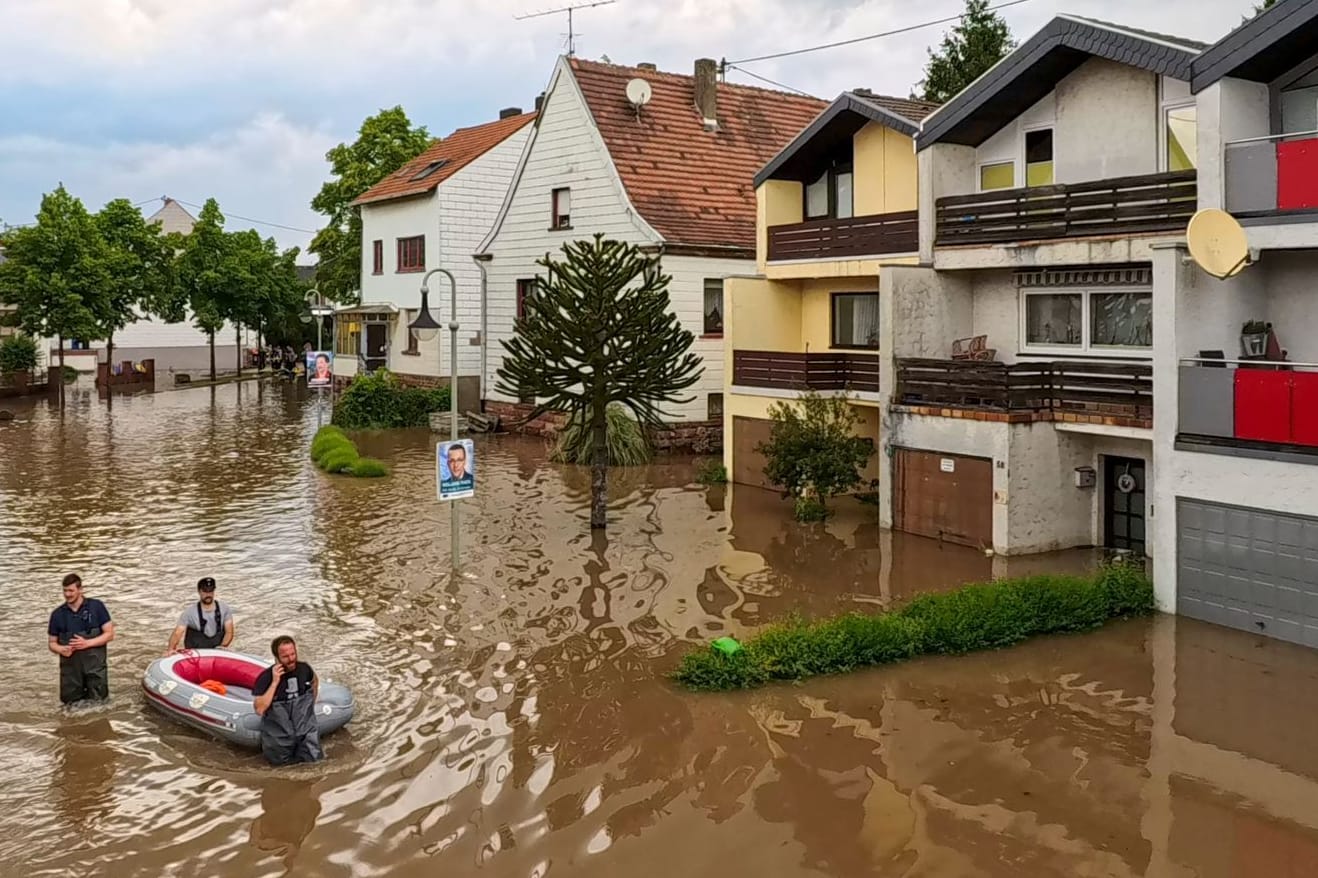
(296, 682)
(66, 623)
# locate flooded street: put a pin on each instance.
(516, 721)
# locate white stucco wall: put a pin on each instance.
(1046, 511)
(1107, 122)
(944, 169)
(1229, 109)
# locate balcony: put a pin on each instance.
(1121, 206)
(1260, 408)
(824, 372)
(1270, 176)
(879, 234)
(1061, 390)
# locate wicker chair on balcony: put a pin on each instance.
(973, 348)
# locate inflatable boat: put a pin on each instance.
(211, 689)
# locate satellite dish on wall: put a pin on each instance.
(1217, 243)
(639, 93)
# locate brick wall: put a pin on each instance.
(699, 437)
(1026, 417)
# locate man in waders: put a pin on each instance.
(286, 700)
(208, 624)
(79, 630)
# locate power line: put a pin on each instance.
(772, 82)
(248, 219)
(571, 29)
(854, 40)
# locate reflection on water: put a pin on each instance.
(515, 719)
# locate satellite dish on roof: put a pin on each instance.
(1217, 243)
(639, 93)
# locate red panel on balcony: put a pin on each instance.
(1304, 408)
(1297, 175)
(1263, 405)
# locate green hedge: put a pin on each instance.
(334, 452)
(380, 401)
(974, 617)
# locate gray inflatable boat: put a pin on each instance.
(173, 685)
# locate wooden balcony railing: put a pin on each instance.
(1117, 389)
(874, 235)
(824, 371)
(1120, 206)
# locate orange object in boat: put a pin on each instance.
(215, 686)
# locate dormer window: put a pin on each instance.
(830, 196)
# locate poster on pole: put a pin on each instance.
(320, 368)
(455, 469)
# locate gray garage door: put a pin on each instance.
(1248, 569)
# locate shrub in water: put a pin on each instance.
(628, 445)
(380, 401)
(370, 468)
(711, 472)
(809, 509)
(18, 353)
(324, 438)
(973, 617)
(339, 459)
(331, 443)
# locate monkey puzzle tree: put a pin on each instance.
(599, 330)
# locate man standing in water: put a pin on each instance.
(206, 625)
(285, 697)
(79, 630)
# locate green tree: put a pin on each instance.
(1266, 4)
(204, 273)
(385, 142)
(262, 285)
(139, 275)
(18, 353)
(600, 330)
(55, 272)
(980, 40)
(813, 452)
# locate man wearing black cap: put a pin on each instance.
(205, 625)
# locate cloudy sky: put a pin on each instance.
(240, 99)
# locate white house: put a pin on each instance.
(674, 173)
(1236, 436)
(1017, 370)
(431, 213)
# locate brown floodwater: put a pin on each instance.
(515, 720)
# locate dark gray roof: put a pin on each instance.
(1263, 48)
(839, 122)
(1020, 80)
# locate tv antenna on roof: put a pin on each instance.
(571, 31)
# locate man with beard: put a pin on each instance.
(208, 624)
(79, 630)
(286, 700)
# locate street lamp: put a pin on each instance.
(426, 328)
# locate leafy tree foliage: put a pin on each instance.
(138, 270)
(980, 40)
(18, 353)
(813, 452)
(385, 142)
(600, 330)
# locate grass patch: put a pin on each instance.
(986, 616)
(334, 452)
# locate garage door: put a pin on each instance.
(747, 463)
(944, 496)
(1249, 569)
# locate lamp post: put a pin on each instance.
(319, 310)
(427, 328)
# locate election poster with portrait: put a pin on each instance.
(320, 368)
(455, 469)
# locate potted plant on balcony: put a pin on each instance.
(1254, 338)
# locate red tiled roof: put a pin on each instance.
(695, 187)
(457, 150)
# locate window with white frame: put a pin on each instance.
(1100, 321)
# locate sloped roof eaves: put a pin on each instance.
(459, 149)
(1083, 35)
(1253, 38)
(847, 102)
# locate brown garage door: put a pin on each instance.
(747, 463)
(944, 496)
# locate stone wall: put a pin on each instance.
(694, 437)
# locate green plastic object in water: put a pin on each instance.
(727, 645)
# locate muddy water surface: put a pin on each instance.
(515, 720)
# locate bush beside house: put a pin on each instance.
(380, 401)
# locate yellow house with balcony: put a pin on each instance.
(834, 206)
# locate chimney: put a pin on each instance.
(646, 65)
(539, 102)
(509, 112)
(706, 83)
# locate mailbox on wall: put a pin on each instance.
(1085, 477)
